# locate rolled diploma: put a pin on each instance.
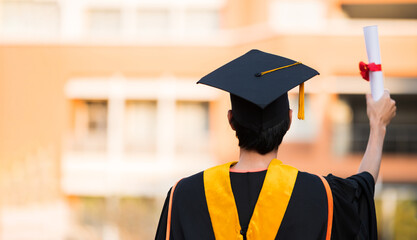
(372, 49)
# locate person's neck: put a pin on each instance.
(252, 160)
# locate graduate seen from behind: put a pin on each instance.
(259, 197)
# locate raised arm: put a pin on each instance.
(380, 114)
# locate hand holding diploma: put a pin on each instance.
(372, 71)
(380, 107)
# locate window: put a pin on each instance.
(114, 217)
(201, 21)
(153, 22)
(307, 129)
(192, 126)
(394, 10)
(90, 212)
(401, 136)
(341, 115)
(292, 15)
(90, 124)
(105, 22)
(29, 18)
(140, 127)
(177, 21)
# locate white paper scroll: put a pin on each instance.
(372, 49)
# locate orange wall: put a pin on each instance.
(31, 95)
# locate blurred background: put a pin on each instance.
(100, 114)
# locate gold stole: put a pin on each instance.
(269, 210)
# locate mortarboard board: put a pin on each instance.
(258, 83)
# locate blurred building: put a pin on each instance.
(100, 113)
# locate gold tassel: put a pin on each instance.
(301, 102)
(275, 69)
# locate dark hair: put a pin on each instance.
(264, 141)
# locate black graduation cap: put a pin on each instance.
(258, 83)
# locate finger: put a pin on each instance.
(392, 104)
(386, 95)
(394, 112)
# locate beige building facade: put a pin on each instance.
(100, 113)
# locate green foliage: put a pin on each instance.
(405, 221)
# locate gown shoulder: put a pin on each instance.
(354, 207)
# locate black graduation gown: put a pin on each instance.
(305, 217)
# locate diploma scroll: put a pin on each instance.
(372, 49)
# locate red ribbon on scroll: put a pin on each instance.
(365, 68)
